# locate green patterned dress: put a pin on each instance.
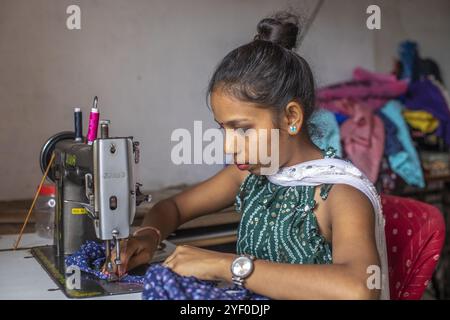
(278, 223)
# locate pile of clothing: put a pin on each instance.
(377, 120)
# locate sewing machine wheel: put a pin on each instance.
(49, 146)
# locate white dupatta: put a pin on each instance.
(334, 171)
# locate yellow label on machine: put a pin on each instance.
(71, 160)
(79, 211)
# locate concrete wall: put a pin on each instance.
(149, 62)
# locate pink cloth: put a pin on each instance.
(361, 74)
(363, 133)
(363, 138)
(372, 89)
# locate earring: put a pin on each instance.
(293, 128)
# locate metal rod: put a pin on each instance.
(117, 260)
(104, 129)
(108, 251)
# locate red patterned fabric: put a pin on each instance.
(415, 233)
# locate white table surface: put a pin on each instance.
(22, 277)
(29, 240)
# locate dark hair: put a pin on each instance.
(282, 28)
(266, 73)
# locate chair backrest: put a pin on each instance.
(415, 234)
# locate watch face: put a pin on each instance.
(242, 266)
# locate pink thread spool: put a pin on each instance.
(93, 123)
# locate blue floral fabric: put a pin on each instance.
(90, 258)
(159, 282)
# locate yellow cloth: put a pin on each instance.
(421, 120)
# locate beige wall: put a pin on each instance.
(427, 22)
(149, 62)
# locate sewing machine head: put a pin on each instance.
(97, 193)
(96, 199)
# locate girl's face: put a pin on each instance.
(248, 123)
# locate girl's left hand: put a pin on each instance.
(201, 263)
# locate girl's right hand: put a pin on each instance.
(135, 251)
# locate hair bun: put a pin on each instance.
(282, 28)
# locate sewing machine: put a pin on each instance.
(96, 199)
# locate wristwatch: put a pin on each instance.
(241, 268)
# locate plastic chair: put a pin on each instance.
(415, 235)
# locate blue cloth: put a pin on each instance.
(409, 58)
(325, 131)
(405, 163)
(392, 144)
(340, 118)
(159, 282)
(90, 258)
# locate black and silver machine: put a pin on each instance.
(96, 199)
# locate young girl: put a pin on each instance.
(313, 230)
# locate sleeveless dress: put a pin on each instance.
(278, 223)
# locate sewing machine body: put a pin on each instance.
(114, 187)
(96, 191)
(96, 199)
